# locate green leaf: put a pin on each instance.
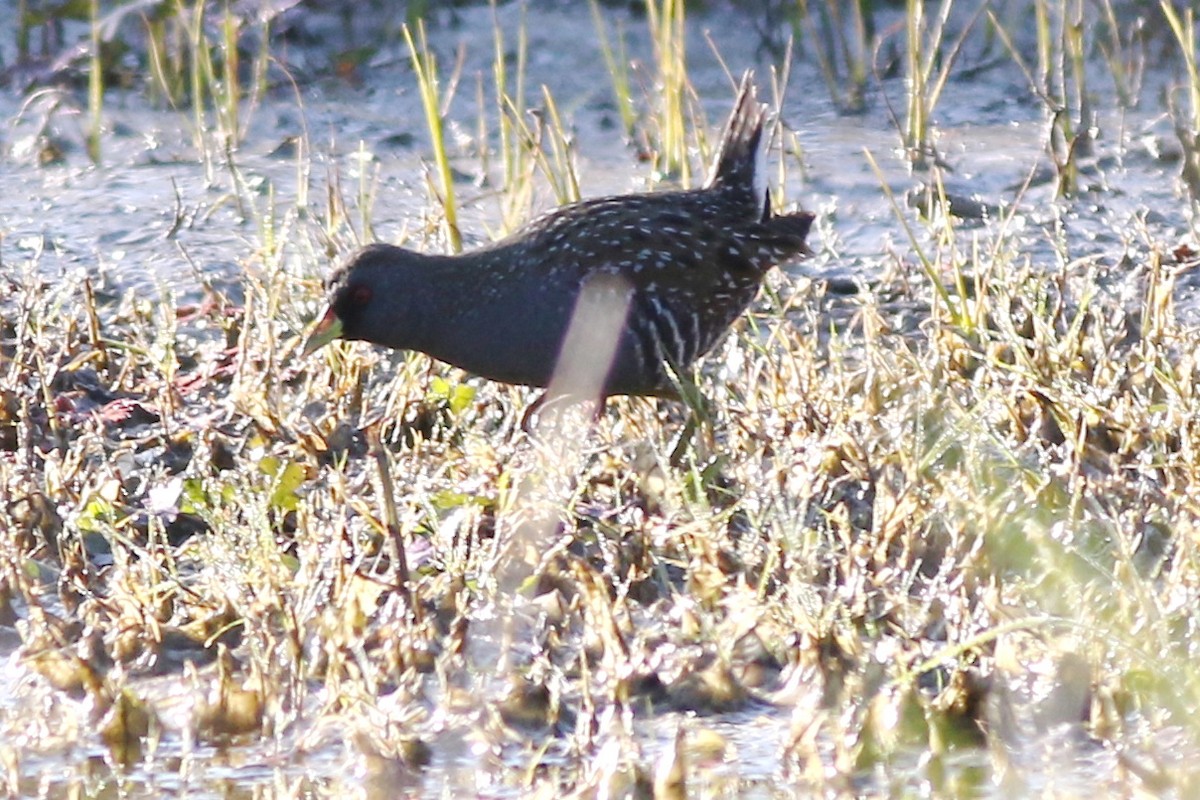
(439, 388)
(193, 499)
(448, 499)
(287, 481)
(461, 397)
(97, 515)
(456, 397)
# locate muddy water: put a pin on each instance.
(152, 219)
(150, 215)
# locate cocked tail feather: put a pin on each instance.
(736, 164)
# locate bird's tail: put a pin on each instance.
(786, 234)
(736, 166)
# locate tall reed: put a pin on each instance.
(1187, 119)
(95, 85)
(424, 63)
(668, 30)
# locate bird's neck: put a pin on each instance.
(461, 299)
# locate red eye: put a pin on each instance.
(360, 295)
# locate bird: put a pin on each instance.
(688, 263)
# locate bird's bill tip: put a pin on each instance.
(324, 332)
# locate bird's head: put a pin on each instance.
(356, 292)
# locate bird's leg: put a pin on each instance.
(531, 419)
(699, 421)
(683, 442)
(700, 415)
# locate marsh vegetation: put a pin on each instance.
(937, 534)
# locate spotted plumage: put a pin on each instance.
(691, 262)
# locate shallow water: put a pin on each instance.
(134, 217)
(150, 220)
